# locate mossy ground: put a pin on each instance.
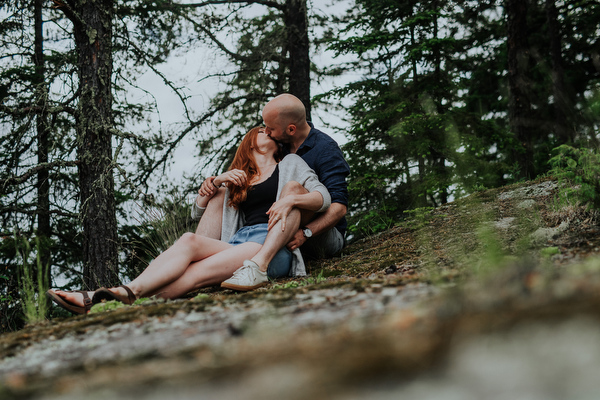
(477, 253)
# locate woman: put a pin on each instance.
(253, 186)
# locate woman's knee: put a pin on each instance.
(216, 201)
(188, 239)
(293, 187)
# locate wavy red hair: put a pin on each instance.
(244, 160)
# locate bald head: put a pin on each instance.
(288, 108)
(285, 119)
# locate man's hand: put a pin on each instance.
(296, 241)
(322, 223)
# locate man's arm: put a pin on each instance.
(322, 223)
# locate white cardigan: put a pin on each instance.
(291, 168)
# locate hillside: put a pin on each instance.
(493, 296)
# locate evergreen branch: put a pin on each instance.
(583, 5)
(216, 153)
(123, 173)
(65, 267)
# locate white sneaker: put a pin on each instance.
(247, 277)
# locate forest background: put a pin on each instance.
(437, 100)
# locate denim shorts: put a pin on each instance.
(282, 262)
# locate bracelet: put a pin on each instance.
(213, 182)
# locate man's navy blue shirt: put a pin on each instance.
(325, 157)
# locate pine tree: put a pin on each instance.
(400, 152)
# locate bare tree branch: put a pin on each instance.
(22, 178)
(67, 9)
(25, 110)
(271, 4)
(173, 144)
(165, 80)
(212, 37)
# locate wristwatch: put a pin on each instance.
(307, 232)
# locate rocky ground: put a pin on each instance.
(494, 296)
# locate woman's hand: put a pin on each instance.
(280, 210)
(211, 184)
(235, 176)
(208, 189)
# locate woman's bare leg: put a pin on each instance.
(276, 238)
(212, 219)
(172, 264)
(209, 271)
(166, 268)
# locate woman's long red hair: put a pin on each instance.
(244, 160)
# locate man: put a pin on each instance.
(321, 236)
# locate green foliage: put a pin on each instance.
(11, 314)
(34, 284)
(492, 256)
(419, 217)
(377, 212)
(549, 251)
(430, 113)
(579, 170)
(371, 222)
(106, 306)
(413, 133)
(202, 297)
(309, 280)
(313, 280)
(158, 226)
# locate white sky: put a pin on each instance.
(190, 68)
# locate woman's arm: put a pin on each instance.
(210, 187)
(311, 201)
(235, 176)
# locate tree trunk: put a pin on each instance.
(561, 99)
(93, 36)
(43, 231)
(519, 105)
(437, 152)
(296, 22)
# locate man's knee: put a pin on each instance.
(328, 244)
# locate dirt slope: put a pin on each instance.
(492, 296)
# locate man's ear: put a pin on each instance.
(291, 128)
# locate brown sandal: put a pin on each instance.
(105, 294)
(75, 309)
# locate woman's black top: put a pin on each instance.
(259, 199)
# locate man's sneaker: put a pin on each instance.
(247, 277)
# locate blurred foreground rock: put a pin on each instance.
(434, 310)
